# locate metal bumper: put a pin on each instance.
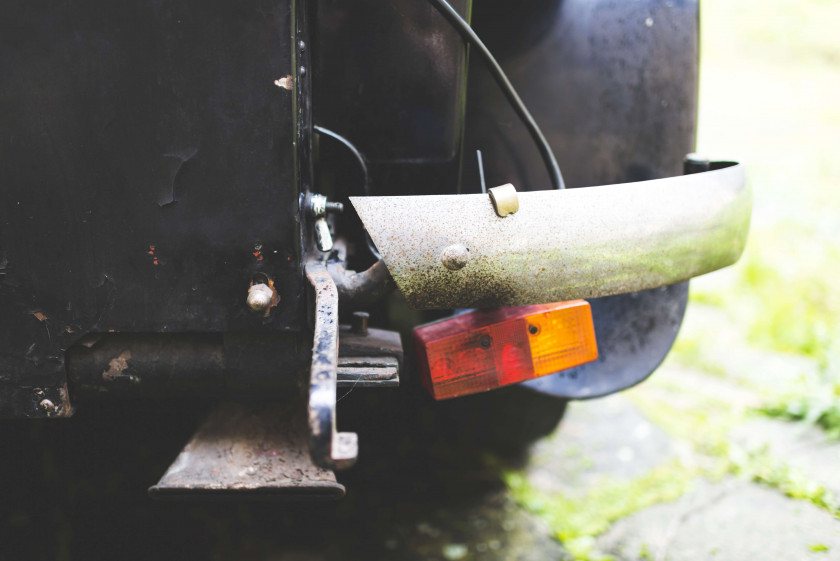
(453, 251)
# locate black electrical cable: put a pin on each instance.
(349, 145)
(363, 165)
(470, 36)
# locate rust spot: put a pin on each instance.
(117, 366)
(151, 252)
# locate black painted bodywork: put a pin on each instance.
(391, 77)
(149, 167)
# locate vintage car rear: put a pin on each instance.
(258, 203)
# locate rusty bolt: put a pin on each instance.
(319, 206)
(455, 257)
(259, 297)
(48, 407)
(359, 323)
(334, 208)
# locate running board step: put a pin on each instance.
(249, 451)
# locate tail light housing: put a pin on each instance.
(487, 349)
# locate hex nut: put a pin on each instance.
(455, 257)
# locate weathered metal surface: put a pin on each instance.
(147, 171)
(368, 357)
(329, 448)
(391, 78)
(157, 365)
(368, 371)
(249, 451)
(363, 287)
(613, 85)
(219, 365)
(562, 245)
(376, 342)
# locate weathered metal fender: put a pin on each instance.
(454, 251)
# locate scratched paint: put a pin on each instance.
(117, 366)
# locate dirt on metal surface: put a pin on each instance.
(560, 245)
(243, 450)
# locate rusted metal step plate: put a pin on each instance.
(368, 371)
(249, 451)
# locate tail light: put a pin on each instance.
(487, 349)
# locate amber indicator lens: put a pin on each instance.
(487, 349)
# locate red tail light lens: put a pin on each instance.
(487, 349)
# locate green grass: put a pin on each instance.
(705, 424)
(764, 468)
(770, 97)
(576, 521)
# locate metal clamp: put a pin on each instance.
(328, 447)
(318, 207)
(505, 199)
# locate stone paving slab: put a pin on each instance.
(598, 439)
(800, 446)
(723, 347)
(492, 529)
(728, 521)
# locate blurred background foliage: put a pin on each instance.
(770, 96)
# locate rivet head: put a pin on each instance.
(455, 257)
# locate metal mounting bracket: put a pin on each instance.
(329, 448)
